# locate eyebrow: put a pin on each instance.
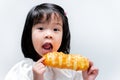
(58, 23)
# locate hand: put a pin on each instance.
(38, 70)
(91, 73)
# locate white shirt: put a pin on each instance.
(23, 71)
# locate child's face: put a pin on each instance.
(47, 36)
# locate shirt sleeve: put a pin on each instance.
(21, 71)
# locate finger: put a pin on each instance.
(39, 70)
(42, 70)
(40, 65)
(90, 70)
(91, 63)
(93, 70)
(41, 60)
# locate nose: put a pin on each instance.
(48, 35)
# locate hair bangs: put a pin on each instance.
(45, 15)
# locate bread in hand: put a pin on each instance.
(66, 61)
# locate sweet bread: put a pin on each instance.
(66, 61)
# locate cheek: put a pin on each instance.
(58, 41)
(36, 39)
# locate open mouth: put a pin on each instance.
(47, 46)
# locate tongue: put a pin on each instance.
(47, 46)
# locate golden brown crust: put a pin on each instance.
(66, 61)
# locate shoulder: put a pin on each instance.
(24, 64)
(20, 70)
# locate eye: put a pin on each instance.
(56, 29)
(40, 28)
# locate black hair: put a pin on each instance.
(35, 15)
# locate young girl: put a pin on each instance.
(46, 29)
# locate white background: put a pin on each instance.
(94, 25)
